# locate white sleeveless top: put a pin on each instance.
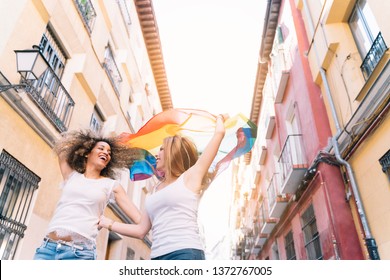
(82, 203)
(173, 212)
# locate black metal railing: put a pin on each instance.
(123, 6)
(112, 71)
(18, 186)
(53, 99)
(87, 13)
(385, 163)
(292, 155)
(273, 190)
(373, 56)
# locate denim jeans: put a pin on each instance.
(50, 250)
(183, 254)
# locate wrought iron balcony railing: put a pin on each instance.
(87, 13)
(293, 163)
(53, 99)
(277, 202)
(112, 71)
(373, 56)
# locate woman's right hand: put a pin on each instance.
(220, 124)
(104, 222)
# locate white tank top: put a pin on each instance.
(82, 202)
(173, 212)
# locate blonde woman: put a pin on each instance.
(88, 163)
(172, 208)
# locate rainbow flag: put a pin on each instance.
(199, 126)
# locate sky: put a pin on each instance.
(210, 50)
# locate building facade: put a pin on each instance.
(349, 60)
(305, 201)
(105, 72)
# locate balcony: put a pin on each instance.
(260, 240)
(373, 56)
(53, 99)
(269, 126)
(262, 155)
(277, 202)
(87, 13)
(255, 250)
(281, 84)
(266, 224)
(293, 164)
(112, 70)
(280, 71)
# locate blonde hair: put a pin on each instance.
(180, 154)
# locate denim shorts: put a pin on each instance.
(183, 254)
(51, 250)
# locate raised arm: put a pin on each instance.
(64, 166)
(194, 176)
(130, 230)
(126, 204)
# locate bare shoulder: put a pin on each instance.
(192, 180)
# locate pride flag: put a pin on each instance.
(197, 125)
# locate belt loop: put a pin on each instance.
(73, 247)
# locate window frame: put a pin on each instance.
(289, 246)
(369, 28)
(311, 234)
(17, 187)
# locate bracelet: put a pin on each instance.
(110, 226)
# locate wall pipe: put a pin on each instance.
(370, 241)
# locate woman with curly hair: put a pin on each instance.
(88, 164)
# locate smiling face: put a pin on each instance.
(160, 159)
(100, 155)
(176, 155)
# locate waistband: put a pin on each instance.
(66, 243)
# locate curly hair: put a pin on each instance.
(74, 146)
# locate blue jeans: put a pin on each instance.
(183, 254)
(51, 250)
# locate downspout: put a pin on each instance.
(370, 241)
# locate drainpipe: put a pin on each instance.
(370, 241)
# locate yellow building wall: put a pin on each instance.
(334, 50)
(87, 83)
(18, 139)
(374, 186)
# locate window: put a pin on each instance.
(17, 186)
(367, 35)
(97, 121)
(112, 69)
(87, 12)
(289, 246)
(364, 27)
(53, 52)
(385, 162)
(311, 235)
(123, 6)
